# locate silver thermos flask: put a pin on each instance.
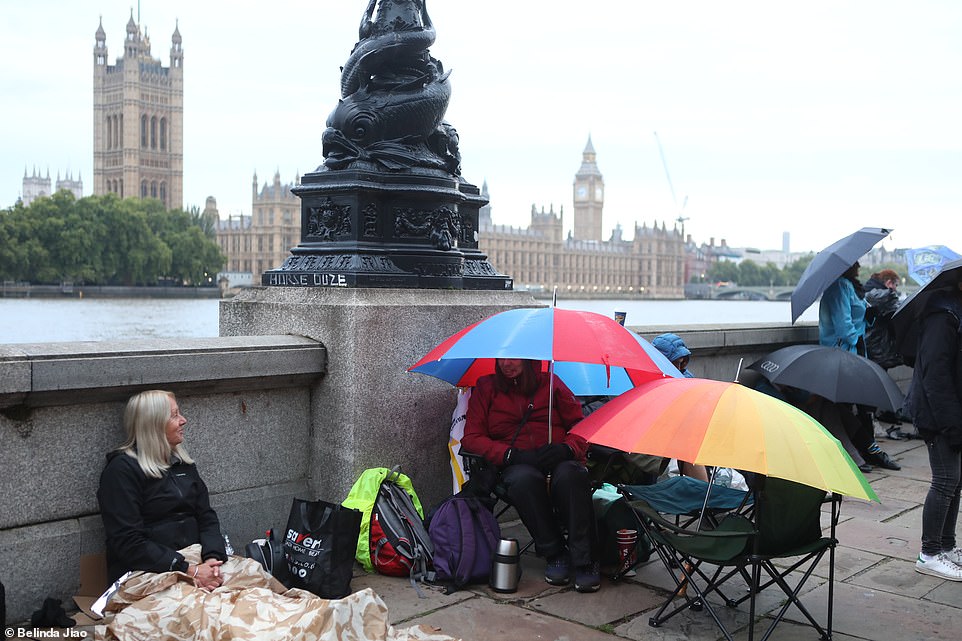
(506, 567)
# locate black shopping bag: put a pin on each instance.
(319, 547)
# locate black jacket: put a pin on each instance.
(146, 520)
(880, 343)
(935, 396)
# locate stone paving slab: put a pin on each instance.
(888, 509)
(480, 619)
(848, 562)
(905, 489)
(654, 574)
(915, 464)
(687, 624)
(402, 599)
(949, 593)
(881, 538)
(898, 577)
(911, 519)
(882, 616)
(613, 604)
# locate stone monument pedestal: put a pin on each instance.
(376, 229)
(368, 411)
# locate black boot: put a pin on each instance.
(881, 459)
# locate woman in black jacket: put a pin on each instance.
(152, 500)
(936, 402)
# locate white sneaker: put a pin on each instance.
(941, 567)
(954, 555)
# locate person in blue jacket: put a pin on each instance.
(841, 313)
(841, 324)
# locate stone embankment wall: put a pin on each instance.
(256, 412)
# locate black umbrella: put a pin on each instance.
(907, 315)
(836, 374)
(830, 263)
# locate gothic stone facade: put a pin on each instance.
(36, 186)
(139, 120)
(262, 241)
(650, 266)
(539, 258)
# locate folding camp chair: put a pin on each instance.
(786, 525)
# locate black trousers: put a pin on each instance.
(545, 513)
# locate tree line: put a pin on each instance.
(103, 240)
(748, 273)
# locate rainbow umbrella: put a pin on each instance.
(725, 425)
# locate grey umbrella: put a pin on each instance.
(830, 263)
(833, 373)
(907, 315)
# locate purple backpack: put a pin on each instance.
(465, 535)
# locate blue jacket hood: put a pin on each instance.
(672, 346)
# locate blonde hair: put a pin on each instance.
(145, 420)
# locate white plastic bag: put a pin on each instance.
(458, 419)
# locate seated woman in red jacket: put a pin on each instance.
(507, 423)
(152, 500)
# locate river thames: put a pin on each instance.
(43, 320)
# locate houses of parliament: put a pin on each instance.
(539, 257)
(138, 152)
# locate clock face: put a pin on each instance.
(599, 193)
(582, 191)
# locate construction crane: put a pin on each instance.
(664, 163)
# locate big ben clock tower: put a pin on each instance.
(589, 196)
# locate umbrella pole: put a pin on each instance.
(738, 371)
(550, 396)
(554, 303)
(704, 507)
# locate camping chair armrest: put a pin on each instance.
(473, 462)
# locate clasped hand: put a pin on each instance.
(207, 575)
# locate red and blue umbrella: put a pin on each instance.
(591, 353)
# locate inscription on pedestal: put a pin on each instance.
(282, 279)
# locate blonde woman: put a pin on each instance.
(152, 500)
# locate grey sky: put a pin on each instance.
(816, 117)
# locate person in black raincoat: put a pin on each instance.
(152, 500)
(936, 402)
